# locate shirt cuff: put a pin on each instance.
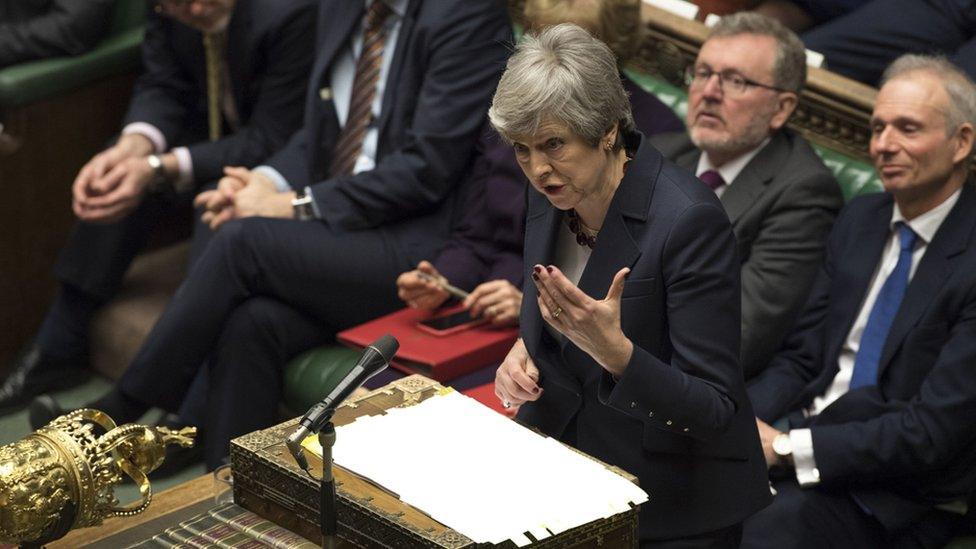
(315, 206)
(807, 473)
(150, 132)
(184, 180)
(275, 176)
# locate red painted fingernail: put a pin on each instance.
(549, 270)
(535, 277)
(537, 269)
(536, 390)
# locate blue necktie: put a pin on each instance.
(883, 312)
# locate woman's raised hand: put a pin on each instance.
(592, 325)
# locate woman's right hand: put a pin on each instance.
(420, 292)
(517, 379)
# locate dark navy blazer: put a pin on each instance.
(908, 442)
(269, 53)
(678, 418)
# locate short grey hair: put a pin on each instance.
(562, 75)
(790, 63)
(957, 84)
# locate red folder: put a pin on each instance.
(439, 357)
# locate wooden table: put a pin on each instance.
(167, 509)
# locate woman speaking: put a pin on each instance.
(629, 350)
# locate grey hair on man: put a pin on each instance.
(957, 84)
(562, 75)
(790, 63)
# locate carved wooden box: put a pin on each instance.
(268, 482)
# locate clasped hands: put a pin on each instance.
(111, 185)
(592, 325)
(243, 193)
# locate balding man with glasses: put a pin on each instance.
(780, 197)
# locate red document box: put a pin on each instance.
(439, 357)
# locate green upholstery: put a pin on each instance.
(308, 376)
(118, 53)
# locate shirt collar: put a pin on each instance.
(927, 224)
(399, 7)
(731, 169)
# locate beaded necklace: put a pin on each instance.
(585, 236)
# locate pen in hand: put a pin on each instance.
(453, 290)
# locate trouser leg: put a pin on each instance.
(246, 373)
(341, 279)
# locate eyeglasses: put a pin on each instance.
(729, 82)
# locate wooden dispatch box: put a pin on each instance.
(268, 482)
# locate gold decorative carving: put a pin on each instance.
(62, 477)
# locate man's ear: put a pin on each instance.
(964, 143)
(785, 105)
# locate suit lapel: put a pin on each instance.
(320, 113)
(615, 246)
(541, 226)
(933, 269)
(238, 55)
(859, 264)
(396, 66)
(743, 192)
(688, 159)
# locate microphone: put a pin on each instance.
(374, 360)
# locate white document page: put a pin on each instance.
(478, 472)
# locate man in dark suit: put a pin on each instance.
(186, 121)
(37, 29)
(369, 195)
(876, 380)
(780, 197)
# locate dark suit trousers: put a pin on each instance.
(94, 260)
(264, 291)
(814, 518)
(862, 43)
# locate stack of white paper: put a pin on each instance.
(480, 473)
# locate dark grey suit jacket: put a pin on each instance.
(782, 206)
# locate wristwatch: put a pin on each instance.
(783, 445)
(159, 180)
(302, 206)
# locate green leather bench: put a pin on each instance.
(117, 53)
(56, 114)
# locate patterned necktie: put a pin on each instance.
(368, 66)
(212, 48)
(883, 312)
(712, 178)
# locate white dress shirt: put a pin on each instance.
(925, 226)
(731, 169)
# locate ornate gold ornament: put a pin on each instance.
(62, 477)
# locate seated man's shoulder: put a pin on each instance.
(672, 144)
(279, 9)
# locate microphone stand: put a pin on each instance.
(327, 492)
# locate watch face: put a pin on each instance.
(782, 445)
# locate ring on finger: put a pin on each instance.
(557, 312)
(506, 404)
